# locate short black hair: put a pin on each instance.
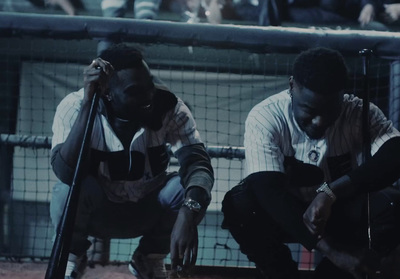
(321, 70)
(122, 56)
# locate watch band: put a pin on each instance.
(192, 204)
(327, 190)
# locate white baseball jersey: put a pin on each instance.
(129, 177)
(272, 133)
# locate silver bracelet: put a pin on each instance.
(192, 204)
(327, 190)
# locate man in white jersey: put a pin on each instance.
(126, 190)
(307, 183)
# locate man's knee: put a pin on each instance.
(385, 215)
(385, 205)
(238, 205)
(57, 203)
(89, 190)
(257, 234)
(172, 194)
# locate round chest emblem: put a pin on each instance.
(313, 155)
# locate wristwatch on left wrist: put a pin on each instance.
(192, 204)
(327, 190)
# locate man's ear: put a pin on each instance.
(145, 65)
(107, 95)
(291, 80)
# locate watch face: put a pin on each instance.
(322, 188)
(192, 205)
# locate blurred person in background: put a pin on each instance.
(391, 12)
(70, 7)
(361, 13)
(370, 14)
(65, 5)
(142, 9)
(197, 11)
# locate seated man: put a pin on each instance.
(126, 190)
(307, 182)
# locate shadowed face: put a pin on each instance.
(315, 112)
(132, 92)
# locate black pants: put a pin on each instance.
(263, 239)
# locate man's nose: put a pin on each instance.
(318, 121)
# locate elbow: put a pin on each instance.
(62, 171)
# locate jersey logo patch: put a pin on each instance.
(313, 155)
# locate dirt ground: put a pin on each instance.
(37, 270)
(10, 270)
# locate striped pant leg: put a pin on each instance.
(146, 9)
(113, 8)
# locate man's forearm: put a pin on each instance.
(201, 196)
(381, 171)
(196, 169)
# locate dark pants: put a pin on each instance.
(263, 239)
(152, 217)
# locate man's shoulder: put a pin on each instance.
(276, 103)
(73, 97)
(281, 98)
